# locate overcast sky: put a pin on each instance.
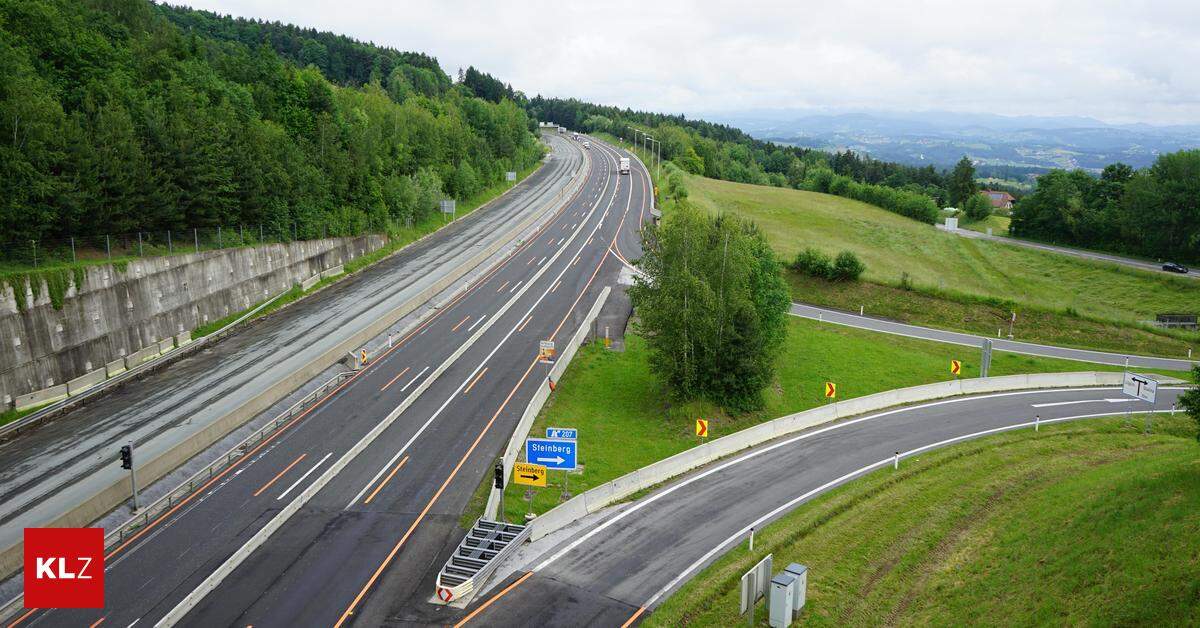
(1122, 61)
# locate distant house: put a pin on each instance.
(1000, 200)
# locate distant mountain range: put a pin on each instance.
(1015, 145)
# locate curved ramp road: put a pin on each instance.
(346, 514)
(999, 344)
(628, 559)
(48, 470)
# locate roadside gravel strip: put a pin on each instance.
(838, 317)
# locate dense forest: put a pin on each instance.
(122, 115)
(723, 152)
(1153, 212)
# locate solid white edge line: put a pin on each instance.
(1070, 403)
(499, 344)
(214, 579)
(754, 453)
(783, 508)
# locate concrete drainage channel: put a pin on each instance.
(92, 508)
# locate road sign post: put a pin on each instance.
(1140, 387)
(754, 586)
(546, 351)
(528, 474)
(985, 364)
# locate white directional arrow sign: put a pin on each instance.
(555, 453)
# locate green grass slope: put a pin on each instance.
(892, 245)
(625, 421)
(1089, 523)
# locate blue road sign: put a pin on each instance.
(568, 433)
(552, 452)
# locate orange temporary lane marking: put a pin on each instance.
(429, 506)
(530, 261)
(460, 323)
(556, 285)
(279, 475)
(503, 285)
(385, 481)
(23, 617)
(474, 381)
(488, 603)
(98, 622)
(393, 380)
(249, 455)
(522, 327)
(629, 622)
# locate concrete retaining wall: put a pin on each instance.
(663, 470)
(516, 442)
(99, 504)
(122, 310)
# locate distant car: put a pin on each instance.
(1172, 267)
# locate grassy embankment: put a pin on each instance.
(961, 283)
(998, 224)
(626, 422)
(1089, 523)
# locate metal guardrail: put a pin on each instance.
(179, 493)
(165, 502)
(475, 559)
(54, 409)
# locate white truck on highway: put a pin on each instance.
(587, 144)
(624, 167)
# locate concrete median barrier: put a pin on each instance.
(103, 501)
(606, 494)
(86, 381)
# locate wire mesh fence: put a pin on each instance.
(117, 247)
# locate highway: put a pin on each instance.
(999, 344)
(354, 505)
(1064, 250)
(627, 559)
(50, 469)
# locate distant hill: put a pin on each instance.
(1016, 144)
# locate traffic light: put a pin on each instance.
(126, 457)
(500, 475)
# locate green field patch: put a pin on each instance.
(626, 421)
(1087, 523)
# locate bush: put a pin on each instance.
(978, 207)
(813, 263)
(847, 267)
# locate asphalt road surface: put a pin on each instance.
(632, 557)
(998, 344)
(1100, 257)
(47, 470)
(376, 474)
